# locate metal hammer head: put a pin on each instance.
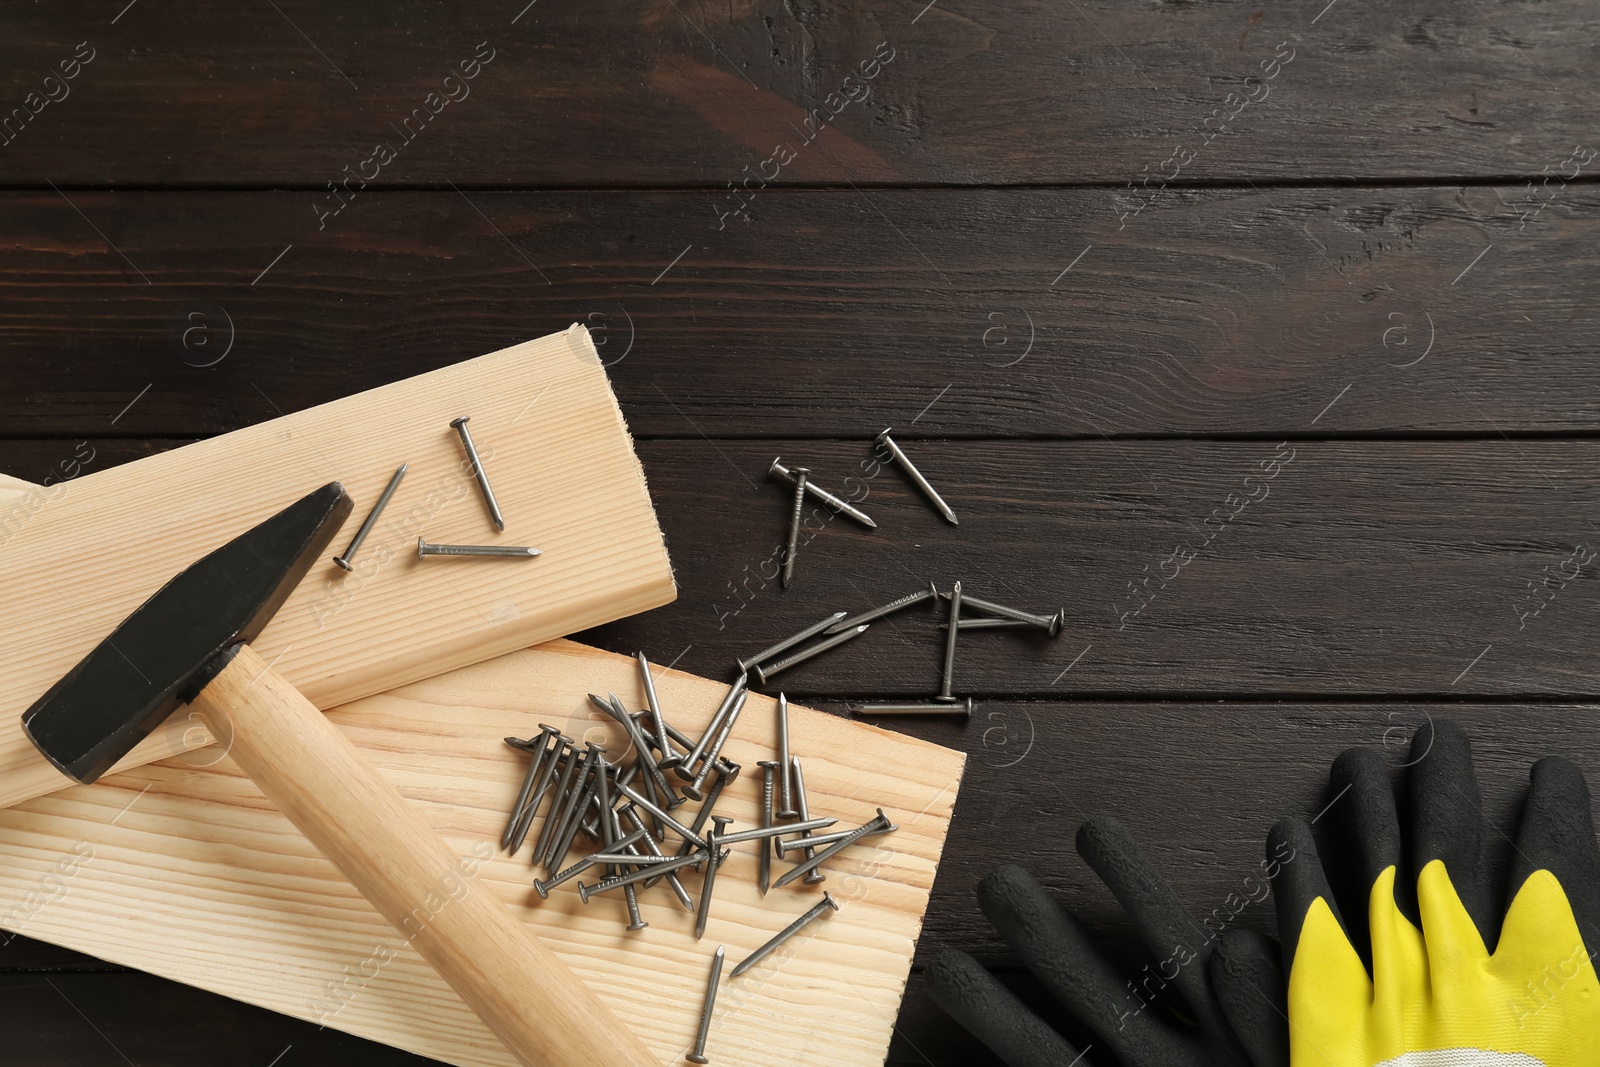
(177, 641)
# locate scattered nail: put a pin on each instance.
(916, 476)
(789, 642)
(899, 604)
(958, 707)
(789, 931)
(786, 809)
(948, 674)
(460, 425)
(699, 1053)
(801, 474)
(765, 671)
(778, 470)
(424, 550)
(344, 558)
(879, 825)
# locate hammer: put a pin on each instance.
(190, 644)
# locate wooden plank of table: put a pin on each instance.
(82, 553)
(944, 312)
(77, 1019)
(983, 92)
(1440, 569)
(1369, 567)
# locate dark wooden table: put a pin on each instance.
(1099, 264)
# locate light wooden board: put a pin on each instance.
(183, 869)
(78, 557)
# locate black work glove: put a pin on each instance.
(1231, 985)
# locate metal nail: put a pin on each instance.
(990, 624)
(519, 813)
(568, 835)
(635, 877)
(725, 768)
(879, 825)
(916, 476)
(949, 672)
(763, 833)
(899, 604)
(699, 1053)
(669, 758)
(786, 808)
(424, 550)
(706, 809)
(959, 707)
(614, 708)
(631, 813)
(844, 507)
(764, 671)
(764, 864)
(611, 833)
(713, 861)
(344, 558)
(827, 903)
(801, 474)
(543, 887)
(460, 425)
(602, 796)
(810, 841)
(612, 858)
(806, 823)
(635, 918)
(582, 796)
(685, 770)
(825, 626)
(708, 761)
(1048, 623)
(566, 750)
(661, 816)
(658, 782)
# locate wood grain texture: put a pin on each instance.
(92, 1020)
(1371, 569)
(1442, 310)
(1361, 569)
(230, 897)
(978, 92)
(551, 436)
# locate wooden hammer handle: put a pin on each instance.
(304, 765)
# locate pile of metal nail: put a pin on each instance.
(424, 550)
(836, 629)
(635, 819)
(800, 479)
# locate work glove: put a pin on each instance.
(1229, 985)
(1426, 969)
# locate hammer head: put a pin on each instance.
(166, 651)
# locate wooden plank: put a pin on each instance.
(1361, 568)
(1215, 312)
(193, 850)
(1370, 569)
(566, 475)
(78, 1019)
(980, 92)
